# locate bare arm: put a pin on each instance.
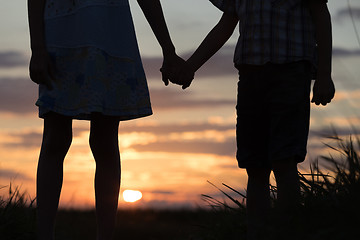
(41, 69)
(154, 15)
(36, 25)
(324, 89)
(216, 38)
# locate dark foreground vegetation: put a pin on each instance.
(330, 210)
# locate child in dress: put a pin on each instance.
(86, 61)
(281, 45)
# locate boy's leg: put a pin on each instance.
(252, 144)
(257, 202)
(288, 197)
(57, 137)
(290, 116)
(290, 111)
(105, 148)
(287, 181)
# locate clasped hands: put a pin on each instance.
(177, 71)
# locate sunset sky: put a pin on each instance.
(190, 138)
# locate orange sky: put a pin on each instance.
(168, 156)
(189, 140)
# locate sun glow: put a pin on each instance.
(132, 196)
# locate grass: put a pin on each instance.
(330, 199)
(144, 224)
(331, 192)
(17, 216)
(330, 209)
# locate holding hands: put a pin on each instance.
(177, 71)
(182, 72)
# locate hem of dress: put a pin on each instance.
(85, 114)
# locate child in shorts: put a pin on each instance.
(283, 44)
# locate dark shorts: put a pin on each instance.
(273, 112)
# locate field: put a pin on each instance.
(330, 210)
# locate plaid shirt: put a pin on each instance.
(276, 31)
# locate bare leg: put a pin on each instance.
(57, 137)
(258, 202)
(105, 148)
(287, 180)
(288, 192)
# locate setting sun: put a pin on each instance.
(131, 195)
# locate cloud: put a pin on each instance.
(342, 52)
(228, 166)
(11, 59)
(162, 192)
(226, 148)
(167, 129)
(347, 13)
(30, 139)
(332, 131)
(221, 64)
(208, 138)
(7, 174)
(163, 99)
(24, 140)
(18, 95)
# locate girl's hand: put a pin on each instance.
(170, 69)
(42, 69)
(177, 71)
(323, 91)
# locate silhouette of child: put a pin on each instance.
(86, 61)
(283, 44)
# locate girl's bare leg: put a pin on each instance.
(105, 148)
(57, 137)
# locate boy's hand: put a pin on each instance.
(323, 91)
(186, 75)
(41, 69)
